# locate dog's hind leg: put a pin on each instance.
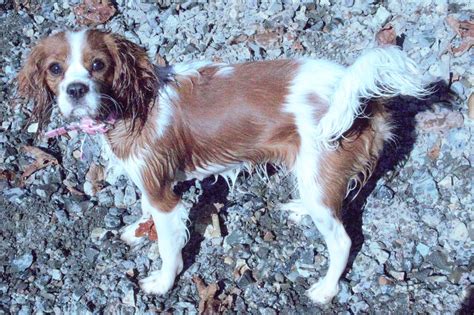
(330, 226)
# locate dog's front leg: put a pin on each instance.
(170, 224)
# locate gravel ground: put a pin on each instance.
(412, 226)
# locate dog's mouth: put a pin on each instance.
(88, 125)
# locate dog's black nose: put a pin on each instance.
(77, 90)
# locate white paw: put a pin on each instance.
(127, 234)
(322, 292)
(157, 282)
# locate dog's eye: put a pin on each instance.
(97, 65)
(55, 69)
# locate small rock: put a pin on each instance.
(423, 249)
(77, 154)
(268, 237)
(98, 234)
(23, 262)
(129, 297)
(112, 221)
(56, 274)
(398, 275)
(246, 279)
(130, 196)
(459, 231)
(383, 280)
(78, 293)
(458, 88)
(440, 260)
(33, 128)
(441, 120)
(38, 19)
(381, 16)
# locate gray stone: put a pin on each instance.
(23, 262)
(111, 221)
(130, 196)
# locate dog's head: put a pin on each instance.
(91, 74)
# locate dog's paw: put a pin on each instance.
(127, 234)
(322, 292)
(157, 283)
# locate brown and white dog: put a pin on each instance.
(195, 120)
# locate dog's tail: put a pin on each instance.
(380, 72)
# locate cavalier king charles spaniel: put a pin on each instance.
(324, 122)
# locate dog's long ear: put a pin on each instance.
(135, 84)
(32, 85)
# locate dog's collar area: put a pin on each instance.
(87, 125)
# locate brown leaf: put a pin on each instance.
(95, 177)
(94, 12)
(208, 304)
(386, 36)
(42, 160)
(147, 228)
(433, 153)
(465, 30)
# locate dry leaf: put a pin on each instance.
(94, 12)
(94, 178)
(147, 228)
(465, 30)
(386, 36)
(208, 304)
(433, 153)
(42, 160)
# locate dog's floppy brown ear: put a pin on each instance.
(32, 85)
(135, 83)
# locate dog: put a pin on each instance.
(324, 122)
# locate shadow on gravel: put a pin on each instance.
(200, 214)
(468, 303)
(403, 111)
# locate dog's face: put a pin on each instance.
(91, 73)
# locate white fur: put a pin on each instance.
(306, 170)
(190, 68)
(166, 101)
(225, 71)
(380, 72)
(77, 72)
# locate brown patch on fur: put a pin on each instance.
(355, 158)
(216, 121)
(320, 106)
(134, 85)
(35, 82)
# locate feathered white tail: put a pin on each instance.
(380, 72)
